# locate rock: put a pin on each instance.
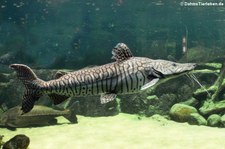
(134, 104)
(181, 112)
(17, 142)
(191, 102)
(214, 120)
(196, 119)
(222, 120)
(212, 108)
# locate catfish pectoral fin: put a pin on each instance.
(150, 84)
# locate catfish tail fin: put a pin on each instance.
(32, 84)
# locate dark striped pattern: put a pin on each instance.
(119, 77)
(126, 77)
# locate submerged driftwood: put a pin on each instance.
(213, 103)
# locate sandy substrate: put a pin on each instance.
(121, 132)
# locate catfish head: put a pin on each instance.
(171, 68)
(3, 119)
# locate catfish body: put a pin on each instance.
(125, 76)
(39, 116)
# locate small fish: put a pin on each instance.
(185, 41)
(184, 45)
(6, 58)
(120, 2)
(125, 76)
(39, 116)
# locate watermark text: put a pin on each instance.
(201, 4)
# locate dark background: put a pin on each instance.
(77, 33)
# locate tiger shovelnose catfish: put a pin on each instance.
(126, 75)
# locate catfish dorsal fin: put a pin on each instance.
(121, 52)
(59, 74)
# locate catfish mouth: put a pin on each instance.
(193, 65)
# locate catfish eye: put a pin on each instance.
(174, 64)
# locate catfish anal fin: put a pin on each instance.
(105, 98)
(29, 99)
(57, 99)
